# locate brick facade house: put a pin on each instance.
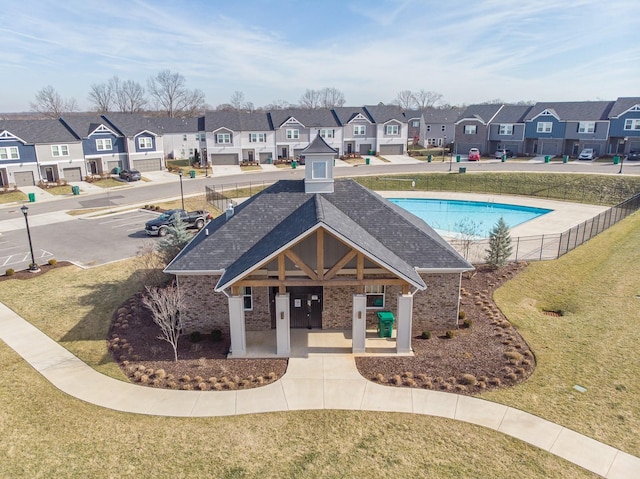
(318, 253)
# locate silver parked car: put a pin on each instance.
(587, 154)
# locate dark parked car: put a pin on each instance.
(160, 226)
(634, 155)
(503, 151)
(130, 175)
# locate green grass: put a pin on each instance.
(595, 189)
(12, 197)
(107, 183)
(59, 190)
(595, 344)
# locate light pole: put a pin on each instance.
(181, 191)
(621, 163)
(33, 267)
(444, 144)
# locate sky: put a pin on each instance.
(468, 51)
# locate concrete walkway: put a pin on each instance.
(317, 381)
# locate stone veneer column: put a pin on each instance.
(237, 327)
(404, 318)
(283, 330)
(359, 323)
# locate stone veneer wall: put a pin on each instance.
(437, 307)
(205, 310)
(337, 307)
(259, 319)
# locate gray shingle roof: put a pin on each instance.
(283, 212)
(84, 125)
(318, 145)
(440, 115)
(622, 104)
(346, 113)
(484, 113)
(236, 121)
(573, 110)
(512, 114)
(177, 125)
(321, 117)
(384, 113)
(130, 124)
(39, 131)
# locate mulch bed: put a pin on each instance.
(488, 354)
(26, 274)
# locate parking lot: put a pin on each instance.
(83, 241)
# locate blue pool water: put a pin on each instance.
(451, 217)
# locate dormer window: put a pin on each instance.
(103, 144)
(293, 134)
(145, 143)
(223, 138)
(393, 129)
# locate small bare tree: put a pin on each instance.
(166, 305)
(331, 98)
(150, 265)
(171, 95)
(130, 96)
(310, 99)
(51, 104)
(468, 233)
(425, 99)
(101, 95)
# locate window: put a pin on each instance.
(415, 123)
(184, 137)
(586, 127)
(293, 134)
(506, 130)
(428, 127)
(257, 137)
(59, 150)
(201, 136)
(470, 129)
(247, 298)
(375, 296)
(544, 127)
(145, 143)
(327, 133)
(393, 129)
(223, 138)
(632, 124)
(103, 144)
(9, 153)
(319, 170)
(359, 129)
(443, 128)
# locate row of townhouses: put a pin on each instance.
(76, 146)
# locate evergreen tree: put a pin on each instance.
(177, 238)
(499, 245)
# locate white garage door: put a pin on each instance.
(224, 159)
(265, 156)
(24, 178)
(148, 164)
(391, 149)
(112, 165)
(550, 148)
(72, 174)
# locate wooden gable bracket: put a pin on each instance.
(301, 264)
(340, 264)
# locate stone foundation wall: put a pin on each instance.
(205, 310)
(437, 307)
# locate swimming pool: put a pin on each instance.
(451, 217)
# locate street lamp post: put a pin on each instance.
(181, 191)
(621, 163)
(33, 267)
(444, 144)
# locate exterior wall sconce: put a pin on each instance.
(281, 314)
(359, 314)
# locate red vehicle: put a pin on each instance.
(474, 154)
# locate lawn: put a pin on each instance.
(594, 344)
(12, 196)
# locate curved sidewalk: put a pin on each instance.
(317, 382)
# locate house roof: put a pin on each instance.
(309, 117)
(177, 125)
(622, 104)
(269, 221)
(318, 145)
(236, 121)
(384, 113)
(573, 110)
(39, 131)
(440, 115)
(512, 114)
(347, 113)
(483, 113)
(84, 125)
(131, 124)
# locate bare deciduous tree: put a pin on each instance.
(172, 96)
(101, 95)
(237, 100)
(426, 99)
(51, 104)
(310, 99)
(404, 99)
(278, 105)
(151, 264)
(130, 96)
(166, 305)
(331, 98)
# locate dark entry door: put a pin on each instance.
(305, 306)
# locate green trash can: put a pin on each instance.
(371, 152)
(385, 324)
(116, 170)
(32, 197)
(504, 158)
(294, 164)
(429, 158)
(367, 161)
(269, 161)
(75, 190)
(457, 158)
(192, 173)
(547, 159)
(462, 169)
(616, 160)
(565, 159)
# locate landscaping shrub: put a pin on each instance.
(426, 335)
(195, 337)
(52, 262)
(467, 323)
(462, 315)
(449, 334)
(10, 272)
(468, 379)
(216, 335)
